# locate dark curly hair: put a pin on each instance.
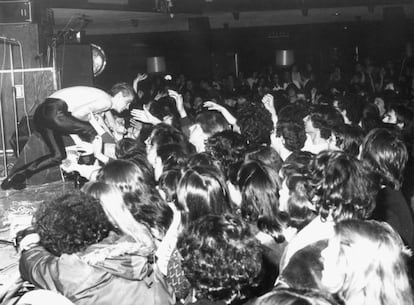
(344, 188)
(71, 222)
(221, 258)
(229, 148)
(293, 134)
(326, 118)
(255, 123)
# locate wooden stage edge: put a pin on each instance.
(16, 208)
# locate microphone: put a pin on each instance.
(9, 40)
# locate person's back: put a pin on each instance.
(74, 259)
(79, 96)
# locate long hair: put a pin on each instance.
(376, 262)
(299, 208)
(111, 200)
(343, 187)
(126, 175)
(386, 155)
(259, 186)
(203, 190)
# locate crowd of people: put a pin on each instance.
(284, 187)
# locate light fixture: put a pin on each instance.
(156, 65)
(285, 58)
(98, 59)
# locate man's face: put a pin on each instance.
(122, 102)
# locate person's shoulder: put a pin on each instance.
(75, 90)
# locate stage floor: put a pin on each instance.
(16, 208)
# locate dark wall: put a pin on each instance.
(195, 52)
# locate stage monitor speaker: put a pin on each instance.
(75, 65)
(15, 12)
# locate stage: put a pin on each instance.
(16, 208)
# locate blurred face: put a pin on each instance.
(198, 102)
(283, 197)
(333, 272)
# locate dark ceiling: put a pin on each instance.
(208, 6)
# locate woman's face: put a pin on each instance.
(333, 273)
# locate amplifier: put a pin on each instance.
(15, 11)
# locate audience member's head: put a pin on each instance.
(290, 137)
(127, 176)
(259, 186)
(386, 155)
(323, 119)
(364, 263)
(111, 199)
(229, 148)
(221, 258)
(255, 123)
(343, 187)
(201, 191)
(266, 155)
(206, 124)
(70, 223)
(348, 138)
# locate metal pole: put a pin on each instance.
(55, 82)
(16, 119)
(236, 64)
(3, 138)
(27, 70)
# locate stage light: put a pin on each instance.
(98, 59)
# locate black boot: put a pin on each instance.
(16, 181)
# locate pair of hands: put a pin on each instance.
(146, 117)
